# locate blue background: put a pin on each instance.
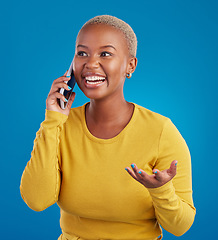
(176, 76)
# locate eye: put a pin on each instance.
(82, 54)
(106, 54)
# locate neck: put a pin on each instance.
(108, 111)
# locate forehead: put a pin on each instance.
(101, 35)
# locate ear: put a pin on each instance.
(132, 63)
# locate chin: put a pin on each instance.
(94, 94)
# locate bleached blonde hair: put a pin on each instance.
(120, 25)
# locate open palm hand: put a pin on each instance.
(157, 179)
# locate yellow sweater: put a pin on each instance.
(86, 176)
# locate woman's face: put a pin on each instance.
(101, 61)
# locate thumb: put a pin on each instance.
(173, 167)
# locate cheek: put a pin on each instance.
(77, 67)
(117, 68)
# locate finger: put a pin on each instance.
(143, 175)
(65, 73)
(173, 167)
(140, 175)
(134, 167)
(131, 173)
(57, 86)
(158, 174)
(71, 100)
(61, 79)
(57, 95)
(135, 170)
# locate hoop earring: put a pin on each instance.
(129, 75)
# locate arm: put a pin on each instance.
(40, 182)
(173, 202)
(41, 179)
(170, 189)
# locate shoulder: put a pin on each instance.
(159, 124)
(76, 115)
(148, 122)
(149, 116)
(77, 112)
(156, 124)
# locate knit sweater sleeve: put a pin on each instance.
(173, 202)
(40, 182)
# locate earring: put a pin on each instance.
(129, 75)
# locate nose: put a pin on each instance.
(92, 62)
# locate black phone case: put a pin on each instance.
(71, 83)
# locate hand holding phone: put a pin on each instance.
(60, 93)
(71, 83)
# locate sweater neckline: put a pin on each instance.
(109, 140)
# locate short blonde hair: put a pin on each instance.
(120, 25)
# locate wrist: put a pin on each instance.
(54, 118)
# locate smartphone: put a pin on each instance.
(71, 83)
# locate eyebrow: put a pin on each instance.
(106, 46)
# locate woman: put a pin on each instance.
(80, 155)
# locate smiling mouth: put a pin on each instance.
(94, 80)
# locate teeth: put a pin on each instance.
(94, 82)
(94, 78)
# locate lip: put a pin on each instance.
(94, 74)
(87, 74)
(93, 86)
